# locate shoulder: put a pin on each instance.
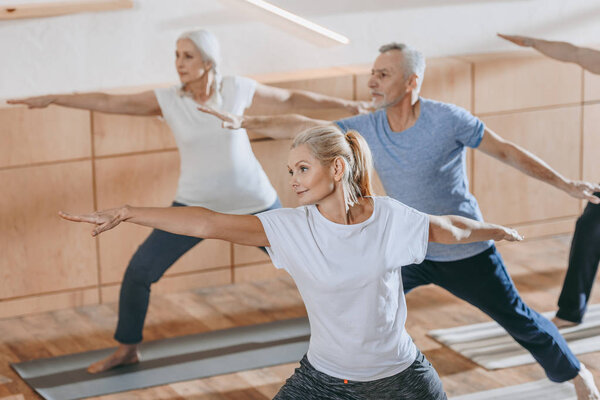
(393, 206)
(359, 121)
(287, 214)
(435, 106)
(170, 91)
(235, 82)
(167, 97)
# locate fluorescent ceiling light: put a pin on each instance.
(300, 21)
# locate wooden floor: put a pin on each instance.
(537, 267)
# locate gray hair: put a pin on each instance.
(208, 46)
(414, 62)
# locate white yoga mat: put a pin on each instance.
(490, 346)
(538, 390)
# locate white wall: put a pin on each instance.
(135, 47)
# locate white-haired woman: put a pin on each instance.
(344, 249)
(218, 168)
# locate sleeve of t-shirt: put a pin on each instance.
(360, 123)
(278, 225)
(468, 128)
(411, 234)
(245, 88)
(166, 98)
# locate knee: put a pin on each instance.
(139, 272)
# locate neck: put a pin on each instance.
(201, 89)
(403, 114)
(333, 207)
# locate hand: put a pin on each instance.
(106, 219)
(230, 121)
(583, 190)
(523, 41)
(34, 102)
(360, 107)
(509, 234)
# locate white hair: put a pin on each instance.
(208, 46)
(414, 62)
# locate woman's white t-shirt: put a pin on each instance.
(349, 278)
(218, 168)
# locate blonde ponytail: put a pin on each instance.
(327, 143)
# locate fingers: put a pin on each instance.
(518, 40)
(592, 199)
(513, 236)
(89, 218)
(212, 111)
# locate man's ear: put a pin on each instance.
(412, 82)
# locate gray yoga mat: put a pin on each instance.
(490, 346)
(171, 360)
(538, 390)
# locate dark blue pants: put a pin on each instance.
(583, 265)
(482, 280)
(151, 260)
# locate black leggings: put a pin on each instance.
(583, 265)
(151, 260)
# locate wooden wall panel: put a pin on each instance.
(448, 80)
(144, 180)
(247, 255)
(41, 252)
(48, 302)
(273, 156)
(50, 134)
(516, 81)
(179, 283)
(507, 196)
(591, 86)
(591, 143)
(258, 272)
(117, 134)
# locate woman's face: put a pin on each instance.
(310, 180)
(188, 62)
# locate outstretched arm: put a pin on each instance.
(528, 163)
(270, 99)
(144, 103)
(189, 221)
(453, 229)
(588, 59)
(276, 126)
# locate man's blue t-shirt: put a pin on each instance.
(424, 166)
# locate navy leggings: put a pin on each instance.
(482, 280)
(151, 260)
(583, 265)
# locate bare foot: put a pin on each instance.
(584, 385)
(563, 323)
(125, 354)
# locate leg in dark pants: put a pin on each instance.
(583, 265)
(152, 259)
(482, 280)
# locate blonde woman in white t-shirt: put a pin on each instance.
(218, 168)
(344, 249)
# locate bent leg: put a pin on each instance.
(583, 266)
(160, 250)
(483, 281)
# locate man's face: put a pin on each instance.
(387, 83)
